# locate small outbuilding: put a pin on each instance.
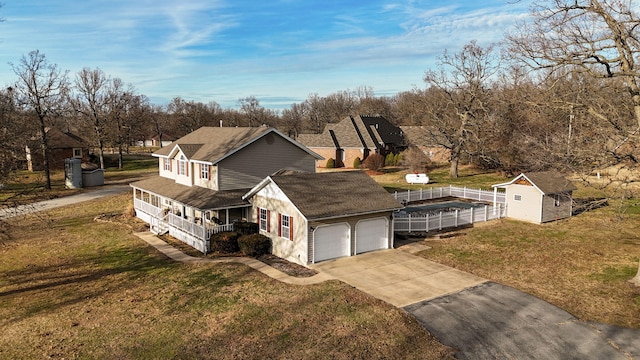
(538, 197)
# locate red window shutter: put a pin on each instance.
(268, 221)
(186, 166)
(291, 228)
(279, 224)
(258, 217)
(170, 164)
(209, 169)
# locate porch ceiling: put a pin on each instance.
(193, 196)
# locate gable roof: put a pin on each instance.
(359, 131)
(332, 194)
(547, 182)
(417, 135)
(57, 139)
(213, 144)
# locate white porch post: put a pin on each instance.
(495, 199)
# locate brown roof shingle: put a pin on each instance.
(334, 194)
(213, 143)
(194, 196)
(550, 182)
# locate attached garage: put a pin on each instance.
(372, 234)
(316, 217)
(331, 241)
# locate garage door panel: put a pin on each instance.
(372, 234)
(331, 241)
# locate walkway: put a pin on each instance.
(89, 194)
(276, 274)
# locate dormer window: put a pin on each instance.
(77, 153)
(204, 171)
(182, 166)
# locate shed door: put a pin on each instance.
(331, 241)
(372, 234)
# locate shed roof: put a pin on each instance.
(194, 196)
(330, 195)
(548, 182)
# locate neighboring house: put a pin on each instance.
(313, 217)
(538, 197)
(354, 137)
(62, 145)
(204, 175)
(419, 137)
(154, 141)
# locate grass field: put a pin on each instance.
(75, 288)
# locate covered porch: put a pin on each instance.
(190, 214)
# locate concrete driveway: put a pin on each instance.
(397, 277)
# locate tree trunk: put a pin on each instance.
(45, 155)
(453, 170)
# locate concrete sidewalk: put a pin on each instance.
(398, 277)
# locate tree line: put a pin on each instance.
(560, 92)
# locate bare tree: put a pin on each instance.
(460, 89)
(91, 102)
(593, 37)
(293, 119)
(41, 88)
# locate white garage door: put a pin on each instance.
(372, 234)
(331, 241)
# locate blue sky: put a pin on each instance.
(279, 51)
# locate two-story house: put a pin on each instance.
(204, 175)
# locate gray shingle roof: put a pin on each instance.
(550, 182)
(194, 196)
(334, 194)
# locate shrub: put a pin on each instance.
(331, 163)
(225, 242)
(356, 163)
(374, 162)
(397, 159)
(388, 160)
(254, 244)
(246, 228)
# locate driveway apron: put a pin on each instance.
(397, 277)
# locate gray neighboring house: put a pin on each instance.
(314, 217)
(203, 176)
(538, 197)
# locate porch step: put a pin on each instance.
(159, 230)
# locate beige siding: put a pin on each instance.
(211, 183)
(171, 174)
(265, 156)
(272, 199)
(529, 208)
(352, 221)
(554, 211)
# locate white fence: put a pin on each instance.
(454, 191)
(448, 219)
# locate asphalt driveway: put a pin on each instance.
(493, 321)
(481, 319)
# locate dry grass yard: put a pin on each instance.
(75, 288)
(581, 264)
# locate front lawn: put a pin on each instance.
(75, 288)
